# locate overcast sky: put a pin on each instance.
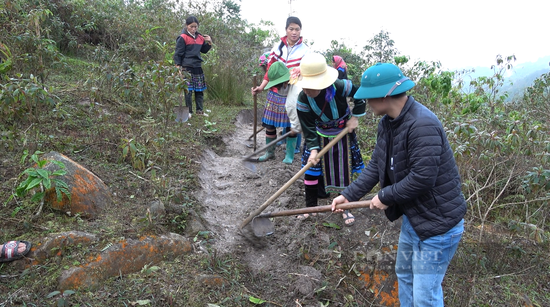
(457, 33)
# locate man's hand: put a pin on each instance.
(352, 123)
(375, 203)
(313, 157)
(337, 201)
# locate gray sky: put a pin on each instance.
(458, 33)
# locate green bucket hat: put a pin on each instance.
(382, 80)
(277, 73)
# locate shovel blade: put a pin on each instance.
(262, 226)
(251, 166)
(182, 114)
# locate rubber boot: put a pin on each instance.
(270, 152)
(298, 144)
(290, 147)
(321, 192)
(311, 195)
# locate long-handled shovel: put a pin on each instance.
(262, 225)
(255, 112)
(182, 113)
(300, 173)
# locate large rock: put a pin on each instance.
(89, 195)
(125, 257)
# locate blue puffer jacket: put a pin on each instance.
(422, 180)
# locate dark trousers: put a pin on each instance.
(199, 96)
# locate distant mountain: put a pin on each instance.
(520, 77)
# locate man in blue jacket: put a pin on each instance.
(419, 181)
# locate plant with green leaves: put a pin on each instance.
(135, 153)
(40, 180)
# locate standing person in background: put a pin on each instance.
(189, 46)
(289, 51)
(263, 60)
(339, 64)
(419, 181)
(324, 112)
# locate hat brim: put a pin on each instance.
(321, 81)
(382, 90)
(279, 80)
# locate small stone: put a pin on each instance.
(157, 209)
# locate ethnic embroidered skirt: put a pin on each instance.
(275, 111)
(341, 161)
(196, 82)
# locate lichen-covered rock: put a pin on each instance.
(89, 194)
(125, 257)
(53, 244)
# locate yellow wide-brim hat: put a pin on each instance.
(315, 74)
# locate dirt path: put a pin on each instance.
(298, 253)
(230, 190)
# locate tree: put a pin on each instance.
(380, 49)
(490, 87)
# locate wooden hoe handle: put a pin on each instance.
(294, 178)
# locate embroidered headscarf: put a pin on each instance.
(264, 59)
(339, 62)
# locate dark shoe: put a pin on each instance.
(321, 191)
(322, 195)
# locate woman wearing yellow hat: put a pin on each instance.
(324, 112)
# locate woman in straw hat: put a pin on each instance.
(324, 112)
(289, 52)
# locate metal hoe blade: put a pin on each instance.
(250, 166)
(262, 226)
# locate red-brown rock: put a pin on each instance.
(125, 257)
(89, 194)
